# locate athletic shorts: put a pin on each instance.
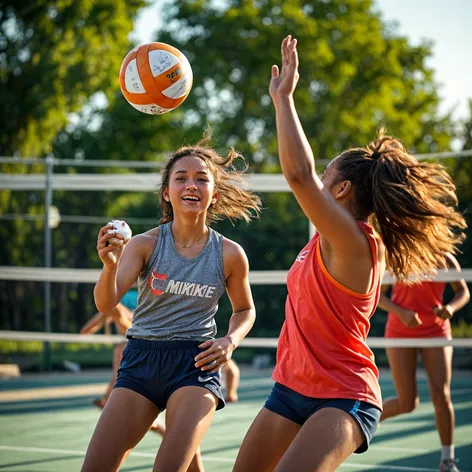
(156, 369)
(298, 408)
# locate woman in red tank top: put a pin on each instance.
(326, 401)
(418, 311)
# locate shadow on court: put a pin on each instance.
(43, 406)
(430, 460)
(67, 419)
(35, 462)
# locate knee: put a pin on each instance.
(231, 368)
(441, 396)
(410, 404)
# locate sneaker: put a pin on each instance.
(448, 465)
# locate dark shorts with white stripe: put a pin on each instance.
(298, 408)
(156, 369)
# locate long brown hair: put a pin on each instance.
(234, 202)
(413, 205)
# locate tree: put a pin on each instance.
(54, 57)
(461, 170)
(357, 74)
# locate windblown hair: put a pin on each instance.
(412, 204)
(234, 202)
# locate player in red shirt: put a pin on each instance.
(326, 401)
(418, 311)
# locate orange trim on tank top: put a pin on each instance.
(340, 285)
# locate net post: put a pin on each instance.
(47, 260)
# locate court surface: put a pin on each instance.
(47, 420)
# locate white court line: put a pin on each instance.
(67, 452)
(205, 458)
(399, 449)
(388, 467)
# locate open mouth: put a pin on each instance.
(190, 198)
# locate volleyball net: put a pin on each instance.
(256, 344)
(249, 342)
(47, 332)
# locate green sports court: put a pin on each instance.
(97, 95)
(48, 419)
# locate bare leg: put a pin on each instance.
(125, 419)
(266, 442)
(197, 463)
(231, 377)
(189, 414)
(337, 434)
(158, 428)
(438, 364)
(402, 362)
(117, 355)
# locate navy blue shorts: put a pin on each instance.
(156, 369)
(298, 408)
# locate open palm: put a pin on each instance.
(284, 84)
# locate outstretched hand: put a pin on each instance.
(283, 84)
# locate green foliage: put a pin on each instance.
(56, 55)
(462, 330)
(357, 74)
(461, 171)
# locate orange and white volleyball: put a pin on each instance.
(155, 78)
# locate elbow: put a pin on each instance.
(252, 317)
(466, 296)
(463, 294)
(102, 305)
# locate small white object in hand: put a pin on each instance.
(119, 227)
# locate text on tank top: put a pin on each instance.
(178, 296)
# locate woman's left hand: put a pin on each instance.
(217, 352)
(283, 84)
(444, 312)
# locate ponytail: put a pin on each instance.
(413, 205)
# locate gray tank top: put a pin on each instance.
(178, 296)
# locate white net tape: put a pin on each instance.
(258, 277)
(373, 342)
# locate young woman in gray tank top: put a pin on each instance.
(182, 268)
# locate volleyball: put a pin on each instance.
(119, 227)
(155, 78)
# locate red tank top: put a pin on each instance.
(322, 350)
(421, 298)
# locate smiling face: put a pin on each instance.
(191, 186)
